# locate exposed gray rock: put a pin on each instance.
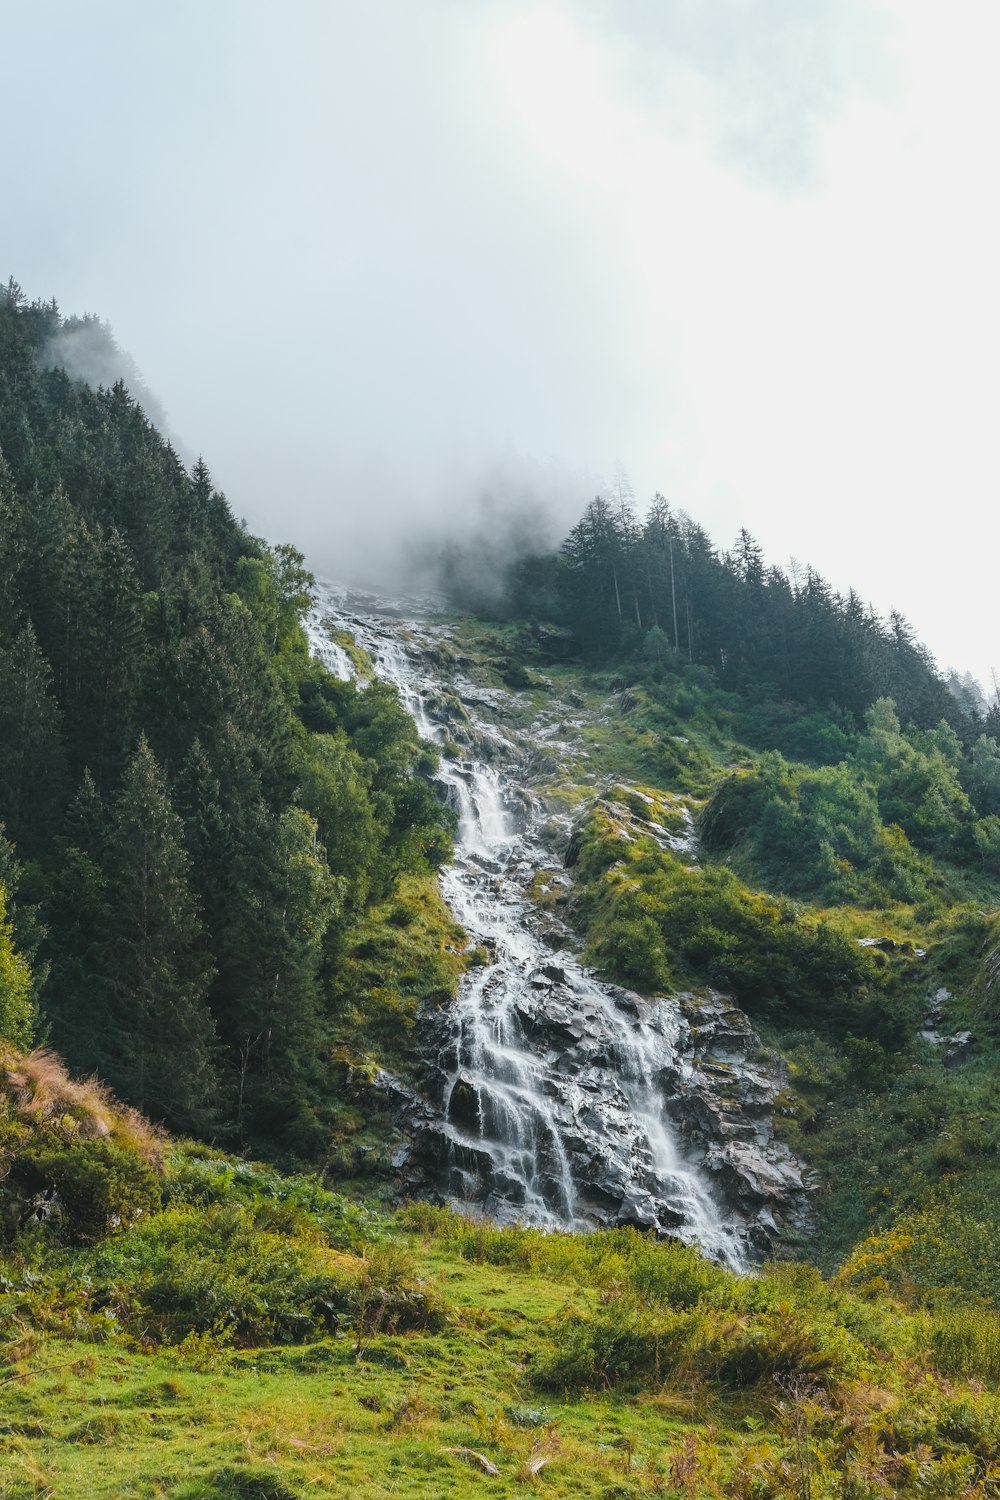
(958, 1045)
(718, 1086)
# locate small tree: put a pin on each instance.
(16, 1009)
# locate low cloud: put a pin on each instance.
(87, 350)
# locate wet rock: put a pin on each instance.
(715, 1081)
(958, 1045)
(890, 945)
(463, 1102)
(959, 1048)
(638, 1211)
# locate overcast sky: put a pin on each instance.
(378, 259)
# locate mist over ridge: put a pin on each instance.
(468, 545)
(380, 262)
(86, 348)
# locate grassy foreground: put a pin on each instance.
(174, 1322)
(259, 1338)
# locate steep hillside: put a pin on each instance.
(843, 906)
(198, 821)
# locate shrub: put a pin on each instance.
(648, 914)
(244, 1482)
(88, 1188)
(935, 1256)
(817, 834)
(71, 1157)
(966, 1341)
(620, 1346)
(212, 1270)
(289, 1204)
(776, 1347)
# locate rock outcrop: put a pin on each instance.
(714, 1080)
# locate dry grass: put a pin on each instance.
(38, 1090)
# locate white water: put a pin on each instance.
(532, 1131)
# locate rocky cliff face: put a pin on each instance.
(714, 1082)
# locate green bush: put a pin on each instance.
(288, 1203)
(648, 914)
(87, 1188)
(966, 1341)
(776, 1347)
(195, 1271)
(621, 1346)
(244, 1482)
(940, 1255)
(817, 834)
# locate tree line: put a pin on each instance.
(658, 587)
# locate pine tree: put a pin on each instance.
(32, 766)
(158, 1046)
(25, 919)
(11, 554)
(274, 1029)
(77, 914)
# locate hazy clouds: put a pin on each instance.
(382, 260)
(87, 350)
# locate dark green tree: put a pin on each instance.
(158, 1041)
(32, 764)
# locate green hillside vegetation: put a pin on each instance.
(820, 829)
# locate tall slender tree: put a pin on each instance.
(158, 1043)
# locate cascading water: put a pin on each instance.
(548, 1098)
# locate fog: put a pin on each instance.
(395, 267)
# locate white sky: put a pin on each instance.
(378, 258)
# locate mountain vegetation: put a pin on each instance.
(219, 916)
(846, 890)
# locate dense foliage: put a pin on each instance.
(198, 818)
(860, 831)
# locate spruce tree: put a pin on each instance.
(77, 915)
(31, 757)
(158, 1043)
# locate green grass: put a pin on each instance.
(406, 951)
(630, 1368)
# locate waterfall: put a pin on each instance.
(552, 1107)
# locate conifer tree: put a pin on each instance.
(158, 1045)
(77, 915)
(274, 1028)
(32, 766)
